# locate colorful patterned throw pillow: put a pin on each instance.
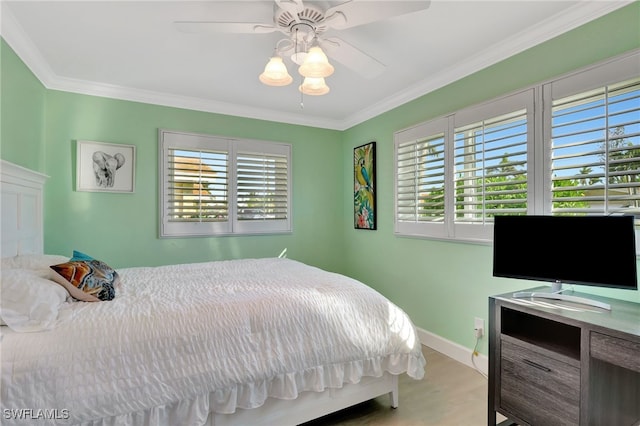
(88, 280)
(78, 255)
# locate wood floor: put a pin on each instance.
(450, 394)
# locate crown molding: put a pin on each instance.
(574, 17)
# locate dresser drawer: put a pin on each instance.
(623, 353)
(540, 389)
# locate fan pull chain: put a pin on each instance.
(296, 52)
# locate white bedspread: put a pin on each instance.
(215, 336)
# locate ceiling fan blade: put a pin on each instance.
(203, 27)
(292, 6)
(354, 13)
(352, 57)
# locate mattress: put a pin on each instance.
(180, 341)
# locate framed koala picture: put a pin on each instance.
(105, 167)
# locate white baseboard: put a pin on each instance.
(453, 350)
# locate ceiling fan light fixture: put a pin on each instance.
(275, 73)
(298, 57)
(316, 64)
(314, 86)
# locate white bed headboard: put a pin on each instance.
(22, 210)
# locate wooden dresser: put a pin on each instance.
(560, 363)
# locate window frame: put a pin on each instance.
(592, 78)
(171, 140)
(427, 130)
(539, 99)
(505, 105)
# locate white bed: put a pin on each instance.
(245, 342)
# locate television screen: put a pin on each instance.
(586, 250)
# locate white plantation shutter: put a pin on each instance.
(217, 186)
(197, 183)
(491, 168)
(453, 174)
(420, 179)
(568, 146)
(595, 150)
(262, 187)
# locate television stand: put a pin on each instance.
(559, 296)
(550, 364)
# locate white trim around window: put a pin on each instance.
(211, 185)
(515, 155)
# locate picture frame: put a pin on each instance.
(364, 180)
(105, 167)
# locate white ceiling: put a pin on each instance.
(132, 50)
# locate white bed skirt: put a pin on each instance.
(306, 406)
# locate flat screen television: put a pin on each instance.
(585, 250)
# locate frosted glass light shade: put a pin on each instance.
(314, 86)
(316, 64)
(275, 73)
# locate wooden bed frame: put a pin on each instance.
(22, 232)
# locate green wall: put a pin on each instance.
(22, 107)
(124, 227)
(40, 129)
(445, 285)
(442, 285)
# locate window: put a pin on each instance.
(490, 170)
(218, 186)
(420, 183)
(595, 147)
(570, 146)
(455, 173)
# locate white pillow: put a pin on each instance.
(28, 300)
(32, 261)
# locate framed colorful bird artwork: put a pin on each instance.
(364, 179)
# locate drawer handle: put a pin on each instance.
(536, 365)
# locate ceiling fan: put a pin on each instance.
(304, 24)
